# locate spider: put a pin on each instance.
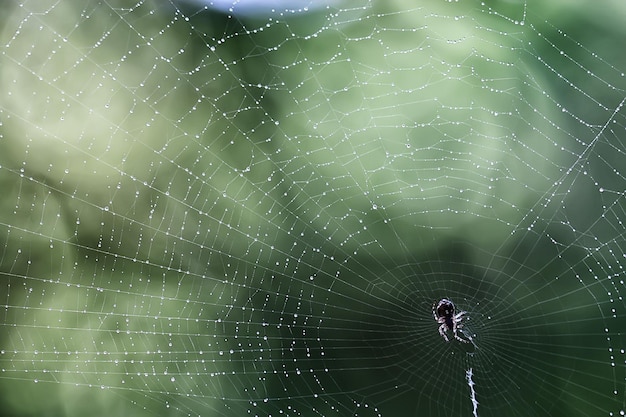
(443, 312)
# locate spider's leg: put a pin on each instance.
(442, 332)
(459, 338)
(456, 336)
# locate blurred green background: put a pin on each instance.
(211, 215)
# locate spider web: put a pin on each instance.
(249, 208)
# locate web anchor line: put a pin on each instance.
(577, 163)
(468, 376)
(583, 155)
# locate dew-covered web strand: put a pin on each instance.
(536, 214)
(557, 194)
(283, 207)
(346, 261)
(195, 177)
(569, 177)
(147, 226)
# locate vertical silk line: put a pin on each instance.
(470, 382)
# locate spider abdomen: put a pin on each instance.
(444, 314)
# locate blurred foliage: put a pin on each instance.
(187, 197)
